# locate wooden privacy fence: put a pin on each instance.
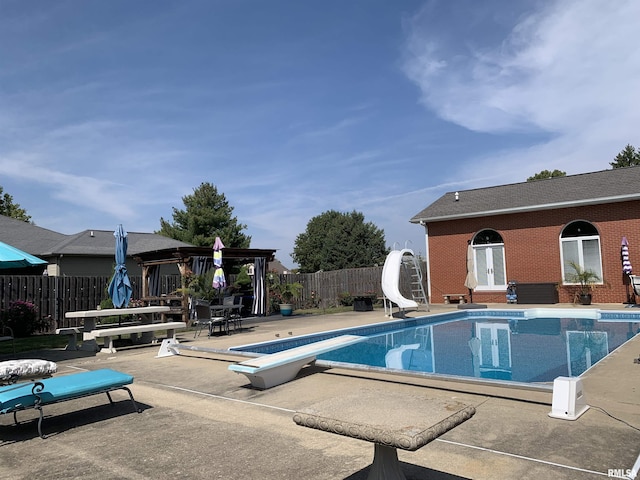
(327, 287)
(54, 296)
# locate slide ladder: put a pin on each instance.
(412, 266)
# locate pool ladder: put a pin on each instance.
(412, 267)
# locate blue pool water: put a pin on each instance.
(531, 346)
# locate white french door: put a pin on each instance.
(490, 267)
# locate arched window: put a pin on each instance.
(580, 244)
(490, 267)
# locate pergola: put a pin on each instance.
(183, 258)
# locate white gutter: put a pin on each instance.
(534, 208)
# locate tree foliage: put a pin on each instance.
(547, 174)
(628, 157)
(10, 209)
(335, 240)
(207, 215)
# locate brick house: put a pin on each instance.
(530, 232)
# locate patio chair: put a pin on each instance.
(635, 285)
(229, 309)
(204, 317)
(6, 335)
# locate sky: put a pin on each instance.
(112, 112)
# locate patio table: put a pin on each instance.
(90, 317)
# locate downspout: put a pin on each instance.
(427, 258)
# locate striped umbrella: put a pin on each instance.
(218, 276)
(624, 256)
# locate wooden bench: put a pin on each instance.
(23, 396)
(462, 297)
(109, 333)
(389, 420)
(274, 369)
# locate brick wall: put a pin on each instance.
(532, 249)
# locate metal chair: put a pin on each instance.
(204, 317)
(7, 336)
(634, 280)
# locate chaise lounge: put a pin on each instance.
(24, 396)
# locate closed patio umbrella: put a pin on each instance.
(120, 287)
(627, 269)
(470, 282)
(624, 256)
(219, 281)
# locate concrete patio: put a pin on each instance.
(201, 421)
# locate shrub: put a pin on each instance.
(23, 318)
(345, 299)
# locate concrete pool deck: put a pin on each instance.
(201, 421)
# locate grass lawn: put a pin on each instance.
(34, 342)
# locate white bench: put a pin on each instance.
(72, 336)
(274, 369)
(109, 333)
(460, 296)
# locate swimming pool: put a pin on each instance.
(530, 346)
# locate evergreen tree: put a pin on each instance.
(10, 209)
(628, 157)
(335, 240)
(207, 215)
(547, 174)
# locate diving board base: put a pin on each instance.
(270, 377)
(277, 368)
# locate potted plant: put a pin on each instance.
(586, 279)
(287, 292)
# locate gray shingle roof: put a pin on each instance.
(43, 242)
(102, 242)
(606, 186)
(27, 237)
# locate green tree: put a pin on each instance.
(628, 157)
(207, 215)
(10, 209)
(547, 174)
(335, 240)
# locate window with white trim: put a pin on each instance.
(580, 244)
(490, 267)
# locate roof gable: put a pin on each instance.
(606, 186)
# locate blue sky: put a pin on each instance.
(111, 112)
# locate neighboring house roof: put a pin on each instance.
(46, 243)
(28, 237)
(606, 186)
(277, 266)
(102, 242)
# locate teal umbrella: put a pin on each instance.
(12, 257)
(120, 287)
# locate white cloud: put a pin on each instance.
(560, 70)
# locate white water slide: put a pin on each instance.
(391, 280)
